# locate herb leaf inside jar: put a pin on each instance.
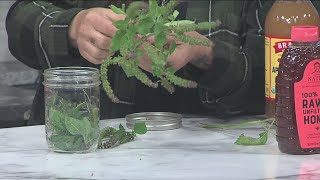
(71, 128)
(75, 129)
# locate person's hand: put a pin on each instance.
(91, 32)
(199, 56)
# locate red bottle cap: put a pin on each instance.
(304, 33)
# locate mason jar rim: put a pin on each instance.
(70, 69)
(71, 76)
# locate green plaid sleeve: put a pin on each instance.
(38, 34)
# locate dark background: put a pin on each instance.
(17, 81)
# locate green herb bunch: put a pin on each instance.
(131, 41)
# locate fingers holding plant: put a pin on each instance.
(91, 32)
(184, 53)
(197, 55)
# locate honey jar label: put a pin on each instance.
(307, 106)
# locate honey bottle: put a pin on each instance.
(298, 94)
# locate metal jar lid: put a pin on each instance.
(155, 121)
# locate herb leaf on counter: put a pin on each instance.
(140, 128)
(250, 141)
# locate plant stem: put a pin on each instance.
(271, 124)
(231, 126)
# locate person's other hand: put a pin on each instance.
(91, 32)
(199, 56)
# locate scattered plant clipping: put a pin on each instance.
(246, 140)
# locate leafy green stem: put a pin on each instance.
(104, 78)
(231, 126)
(273, 120)
(180, 81)
(142, 77)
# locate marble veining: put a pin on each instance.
(188, 153)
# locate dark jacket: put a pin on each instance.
(37, 32)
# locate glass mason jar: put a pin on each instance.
(72, 106)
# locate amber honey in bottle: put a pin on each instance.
(298, 94)
(282, 16)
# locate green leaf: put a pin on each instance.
(87, 129)
(153, 9)
(159, 28)
(117, 40)
(117, 10)
(175, 14)
(161, 40)
(144, 26)
(249, 141)
(171, 17)
(79, 127)
(121, 24)
(130, 38)
(63, 142)
(121, 128)
(78, 112)
(57, 121)
(78, 144)
(172, 47)
(180, 22)
(123, 7)
(140, 128)
(74, 126)
(135, 9)
(93, 136)
(131, 33)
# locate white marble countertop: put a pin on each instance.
(188, 153)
